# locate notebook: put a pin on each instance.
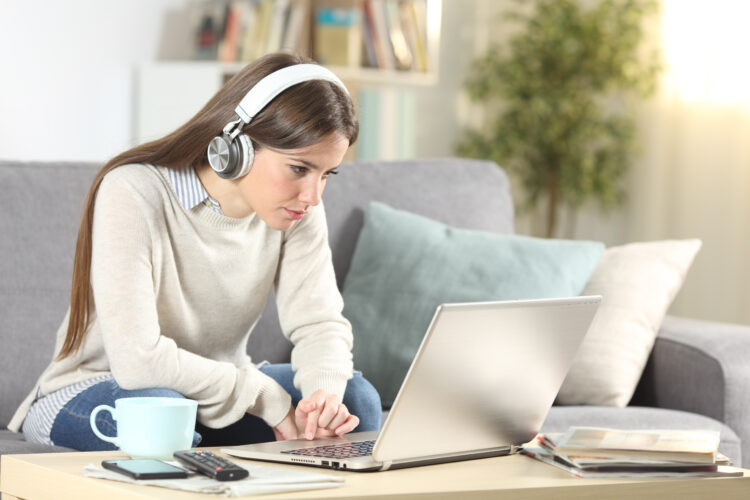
(480, 385)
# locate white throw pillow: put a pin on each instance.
(638, 282)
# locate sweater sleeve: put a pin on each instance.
(310, 306)
(138, 354)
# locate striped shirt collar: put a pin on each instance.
(189, 190)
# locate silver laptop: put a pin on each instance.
(480, 385)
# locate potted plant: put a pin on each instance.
(565, 85)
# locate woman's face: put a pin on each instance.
(282, 185)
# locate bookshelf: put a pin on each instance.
(169, 92)
(361, 37)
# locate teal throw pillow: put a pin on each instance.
(405, 265)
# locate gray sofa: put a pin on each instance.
(697, 376)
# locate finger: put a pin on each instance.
(300, 416)
(351, 423)
(341, 416)
(306, 405)
(311, 426)
(329, 411)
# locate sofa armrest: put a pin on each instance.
(701, 367)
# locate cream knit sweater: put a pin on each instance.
(177, 293)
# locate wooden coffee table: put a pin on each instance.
(59, 476)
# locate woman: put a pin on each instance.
(178, 248)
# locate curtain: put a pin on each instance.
(692, 176)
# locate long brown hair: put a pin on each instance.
(300, 116)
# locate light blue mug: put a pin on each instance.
(150, 427)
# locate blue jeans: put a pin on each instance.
(72, 429)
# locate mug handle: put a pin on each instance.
(92, 421)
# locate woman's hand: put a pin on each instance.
(319, 416)
(323, 415)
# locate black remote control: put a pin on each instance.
(207, 463)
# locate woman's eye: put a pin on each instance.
(297, 169)
(331, 172)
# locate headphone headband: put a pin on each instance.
(277, 82)
(231, 153)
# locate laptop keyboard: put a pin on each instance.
(343, 450)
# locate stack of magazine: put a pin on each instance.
(599, 452)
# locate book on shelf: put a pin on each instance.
(277, 26)
(230, 42)
(296, 32)
(381, 40)
(247, 34)
(372, 52)
(260, 34)
(338, 36)
(599, 452)
(209, 30)
(402, 53)
(414, 23)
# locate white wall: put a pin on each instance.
(66, 85)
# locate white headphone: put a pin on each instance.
(231, 153)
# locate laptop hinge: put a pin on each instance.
(441, 459)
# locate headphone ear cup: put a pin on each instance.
(246, 155)
(223, 155)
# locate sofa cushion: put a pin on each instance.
(405, 265)
(560, 418)
(41, 209)
(638, 283)
(13, 443)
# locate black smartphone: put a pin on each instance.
(145, 469)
